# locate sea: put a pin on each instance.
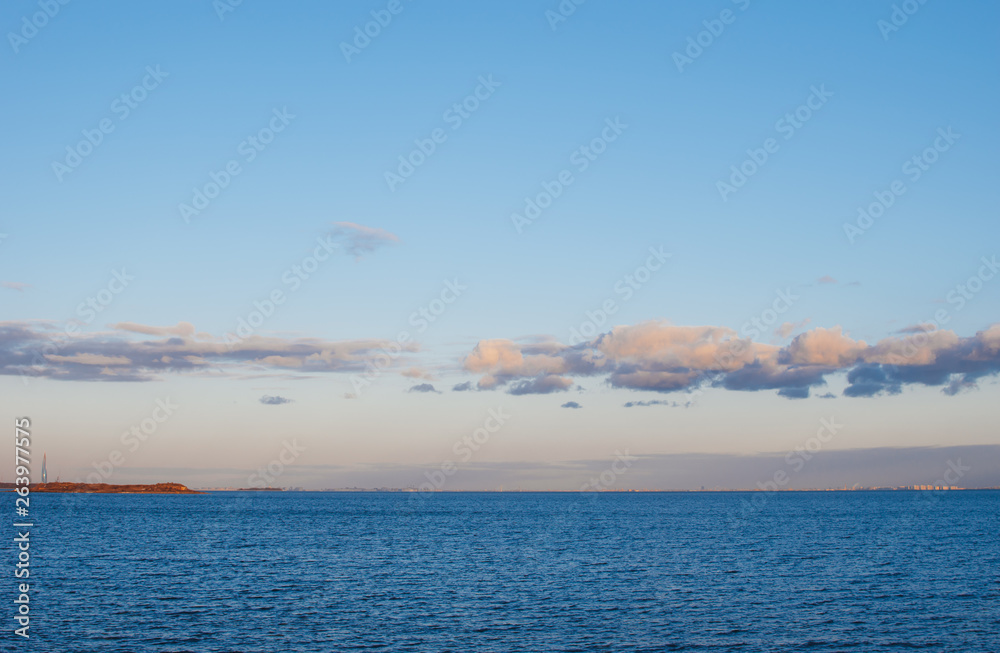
(594, 571)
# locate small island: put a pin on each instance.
(108, 488)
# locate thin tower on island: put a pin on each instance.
(45, 474)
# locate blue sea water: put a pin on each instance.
(823, 571)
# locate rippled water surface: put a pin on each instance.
(862, 571)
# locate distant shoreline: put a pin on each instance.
(107, 488)
(623, 491)
(178, 488)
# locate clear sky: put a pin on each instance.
(630, 226)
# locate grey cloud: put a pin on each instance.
(274, 400)
(44, 349)
(542, 385)
(653, 402)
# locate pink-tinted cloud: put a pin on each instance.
(829, 347)
(787, 328)
(657, 356)
(180, 329)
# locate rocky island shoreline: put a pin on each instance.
(108, 488)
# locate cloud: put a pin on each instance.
(923, 327)
(823, 347)
(89, 359)
(463, 387)
(787, 328)
(959, 384)
(502, 361)
(541, 385)
(654, 402)
(358, 240)
(423, 387)
(826, 279)
(870, 380)
(274, 400)
(661, 357)
(504, 357)
(416, 373)
(45, 349)
(571, 404)
(181, 329)
(16, 285)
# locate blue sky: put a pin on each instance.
(553, 87)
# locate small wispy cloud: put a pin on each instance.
(571, 404)
(424, 387)
(417, 373)
(826, 279)
(654, 402)
(787, 328)
(358, 240)
(15, 285)
(463, 387)
(180, 329)
(274, 400)
(925, 327)
(541, 385)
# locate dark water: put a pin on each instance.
(860, 571)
